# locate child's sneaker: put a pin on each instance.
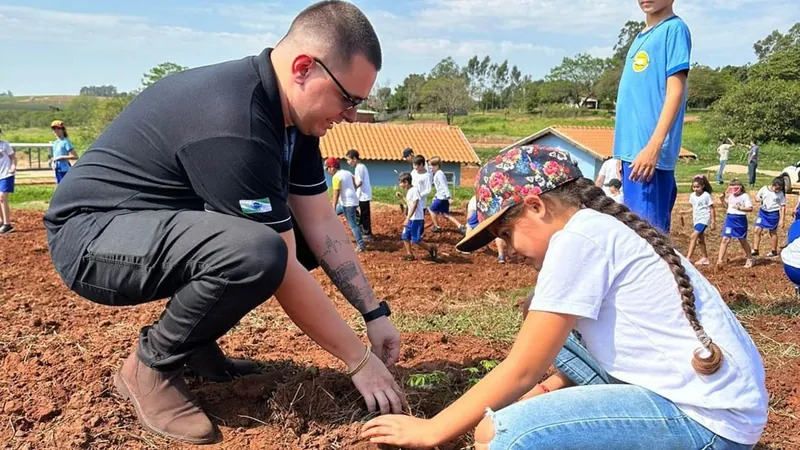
(749, 263)
(409, 258)
(754, 252)
(797, 290)
(702, 262)
(6, 228)
(436, 230)
(462, 229)
(434, 252)
(361, 249)
(772, 255)
(501, 259)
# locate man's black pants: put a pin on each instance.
(366, 218)
(214, 268)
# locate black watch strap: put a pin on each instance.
(380, 311)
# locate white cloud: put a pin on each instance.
(468, 48)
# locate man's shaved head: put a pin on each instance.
(338, 31)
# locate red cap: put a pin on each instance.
(332, 162)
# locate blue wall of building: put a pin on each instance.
(382, 173)
(588, 164)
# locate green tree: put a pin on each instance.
(608, 85)
(446, 68)
(763, 110)
(738, 74)
(581, 73)
(554, 92)
(783, 65)
(408, 96)
(706, 86)
(446, 95)
(777, 42)
(160, 71)
(627, 34)
(99, 91)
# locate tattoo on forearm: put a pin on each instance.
(348, 276)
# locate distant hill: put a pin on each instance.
(36, 102)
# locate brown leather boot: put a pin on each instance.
(211, 363)
(163, 402)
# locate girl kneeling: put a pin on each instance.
(649, 376)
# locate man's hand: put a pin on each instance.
(378, 388)
(644, 166)
(385, 340)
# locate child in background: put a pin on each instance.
(666, 364)
(441, 200)
(8, 169)
(703, 216)
(363, 190)
(651, 103)
(790, 256)
(771, 215)
(614, 191)
(345, 200)
(739, 204)
(472, 222)
(63, 150)
(414, 222)
(421, 179)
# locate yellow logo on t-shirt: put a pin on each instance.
(641, 61)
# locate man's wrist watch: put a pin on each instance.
(380, 311)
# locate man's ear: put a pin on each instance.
(301, 68)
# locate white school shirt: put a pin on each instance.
(365, 191)
(5, 159)
(631, 321)
(345, 183)
(440, 183)
(423, 183)
(618, 197)
(742, 200)
(723, 151)
(770, 201)
(413, 196)
(609, 172)
(701, 208)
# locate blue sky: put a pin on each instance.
(55, 47)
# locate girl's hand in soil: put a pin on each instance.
(401, 431)
(377, 386)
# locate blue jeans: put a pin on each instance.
(751, 172)
(600, 413)
(350, 215)
(721, 169)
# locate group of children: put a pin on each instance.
(771, 216)
(62, 153)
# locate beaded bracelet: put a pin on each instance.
(362, 363)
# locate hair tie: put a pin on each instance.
(703, 337)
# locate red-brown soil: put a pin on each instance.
(58, 352)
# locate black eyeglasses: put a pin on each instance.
(349, 98)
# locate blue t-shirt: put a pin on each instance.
(654, 56)
(62, 147)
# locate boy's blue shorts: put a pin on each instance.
(413, 231)
(651, 200)
(793, 273)
(768, 220)
(440, 206)
(7, 185)
(700, 227)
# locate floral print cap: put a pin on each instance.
(508, 178)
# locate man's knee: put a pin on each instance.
(484, 433)
(258, 259)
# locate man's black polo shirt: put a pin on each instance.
(210, 138)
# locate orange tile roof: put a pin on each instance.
(598, 141)
(386, 141)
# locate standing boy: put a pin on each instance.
(363, 190)
(414, 222)
(8, 167)
(441, 199)
(650, 107)
(723, 151)
(752, 164)
(344, 197)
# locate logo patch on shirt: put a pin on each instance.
(641, 61)
(255, 206)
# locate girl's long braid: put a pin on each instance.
(583, 192)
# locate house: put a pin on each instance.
(589, 146)
(365, 115)
(381, 146)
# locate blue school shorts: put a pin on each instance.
(768, 220)
(413, 231)
(651, 200)
(793, 273)
(735, 226)
(700, 227)
(7, 185)
(440, 206)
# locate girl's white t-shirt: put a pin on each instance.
(701, 207)
(742, 200)
(631, 321)
(5, 159)
(770, 201)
